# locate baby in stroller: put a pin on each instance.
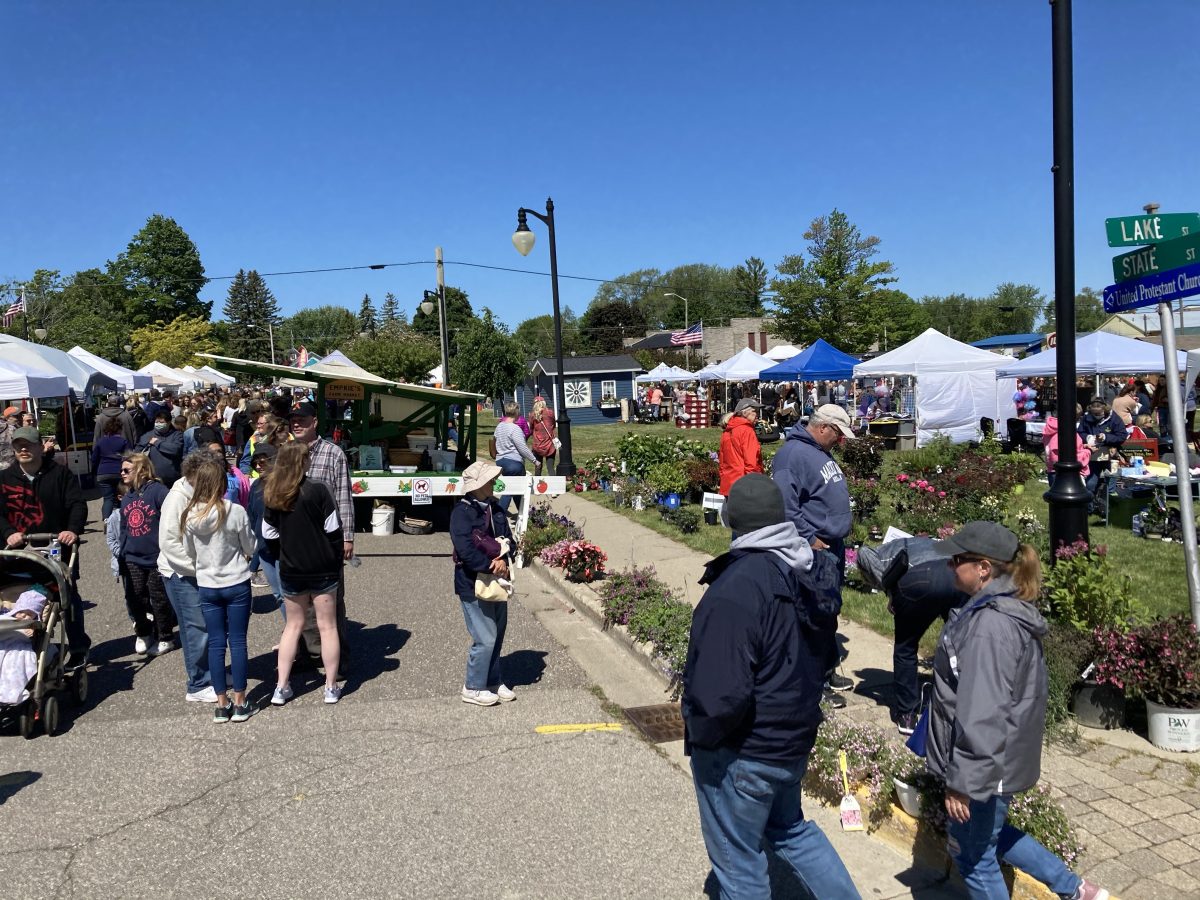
(18, 659)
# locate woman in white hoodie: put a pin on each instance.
(218, 540)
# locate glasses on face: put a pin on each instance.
(959, 558)
(126, 471)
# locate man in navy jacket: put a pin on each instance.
(756, 660)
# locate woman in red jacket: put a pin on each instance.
(740, 451)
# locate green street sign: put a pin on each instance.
(1133, 231)
(1157, 258)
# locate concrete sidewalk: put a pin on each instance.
(1136, 808)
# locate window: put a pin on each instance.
(578, 394)
(608, 391)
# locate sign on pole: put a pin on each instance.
(1133, 231)
(1158, 287)
(1157, 258)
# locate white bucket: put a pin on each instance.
(1173, 729)
(383, 520)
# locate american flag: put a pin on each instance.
(693, 335)
(13, 311)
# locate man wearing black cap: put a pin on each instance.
(327, 464)
(751, 701)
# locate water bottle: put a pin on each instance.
(55, 551)
(1138, 464)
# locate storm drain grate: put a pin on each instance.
(659, 723)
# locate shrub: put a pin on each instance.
(862, 457)
(552, 555)
(1159, 661)
(872, 759)
(667, 478)
(1082, 589)
(545, 529)
(605, 466)
(638, 452)
(702, 474)
(1067, 652)
(1037, 814)
(685, 518)
(665, 624)
(865, 495)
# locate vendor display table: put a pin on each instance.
(1159, 484)
(441, 485)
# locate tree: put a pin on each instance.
(832, 294)
(458, 316)
(162, 271)
(175, 344)
(900, 317)
(320, 329)
(605, 325)
(1089, 312)
(750, 280)
(87, 309)
(957, 316)
(368, 320)
(396, 354)
(535, 336)
(489, 360)
(1014, 308)
(391, 314)
(249, 308)
(711, 291)
(640, 288)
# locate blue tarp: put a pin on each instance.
(819, 361)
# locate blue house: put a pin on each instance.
(594, 387)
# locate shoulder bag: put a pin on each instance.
(488, 586)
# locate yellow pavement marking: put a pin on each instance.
(582, 726)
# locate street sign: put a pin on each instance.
(1133, 231)
(1158, 287)
(1157, 258)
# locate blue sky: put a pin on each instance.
(298, 135)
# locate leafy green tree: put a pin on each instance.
(249, 308)
(489, 360)
(640, 288)
(368, 319)
(957, 316)
(536, 336)
(750, 282)
(319, 328)
(458, 316)
(87, 309)
(605, 325)
(900, 319)
(1089, 312)
(832, 293)
(394, 353)
(1015, 308)
(711, 291)
(174, 344)
(162, 271)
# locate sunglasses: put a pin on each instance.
(958, 559)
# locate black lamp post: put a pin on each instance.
(1069, 499)
(523, 240)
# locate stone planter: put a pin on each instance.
(1173, 729)
(1098, 705)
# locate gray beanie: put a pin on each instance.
(754, 502)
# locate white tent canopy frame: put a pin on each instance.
(164, 375)
(1097, 353)
(82, 378)
(956, 384)
(127, 379)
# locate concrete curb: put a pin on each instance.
(900, 831)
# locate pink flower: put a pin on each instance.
(929, 488)
(902, 478)
(941, 493)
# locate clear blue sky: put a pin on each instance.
(295, 135)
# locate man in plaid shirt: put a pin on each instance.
(327, 465)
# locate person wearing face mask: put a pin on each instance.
(164, 446)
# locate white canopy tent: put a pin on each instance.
(956, 384)
(164, 375)
(1098, 353)
(220, 377)
(661, 372)
(81, 378)
(678, 373)
(198, 376)
(782, 352)
(34, 382)
(127, 379)
(742, 366)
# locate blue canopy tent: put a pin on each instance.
(819, 361)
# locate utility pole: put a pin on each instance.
(271, 335)
(443, 338)
(24, 312)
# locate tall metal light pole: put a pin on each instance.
(687, 348)
(523, 240)
(1068, 498)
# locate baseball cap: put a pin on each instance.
(28, 433)
(11, 411)
(832, 414)
(746, 403)
(988, 539)
(267, 450)
(304, 409)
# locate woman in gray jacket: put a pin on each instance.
(989, 710)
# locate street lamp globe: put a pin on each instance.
(523, 239)
(427, 307)
(40, 333)
(128, 348)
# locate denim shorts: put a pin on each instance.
(290, 590)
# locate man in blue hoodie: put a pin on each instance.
(816, 497)
(752, 693)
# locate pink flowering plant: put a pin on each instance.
(1159, 661)
(583, 561)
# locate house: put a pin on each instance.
(594, 386)
(1144, 324)
(721, 342)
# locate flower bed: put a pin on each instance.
(636, 599)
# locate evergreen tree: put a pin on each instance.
(368, 319)
(391, 314)
(458, 316)
(249, 308)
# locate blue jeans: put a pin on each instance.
(108, 488)
(925, 593)
(509, 466)
(193, 634)
(747, 803)
(976, 844)
(270, 568)
(227, 616)
(486, 623)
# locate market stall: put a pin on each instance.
(127, 379)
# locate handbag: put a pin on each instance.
(493, 587)
(919, 739)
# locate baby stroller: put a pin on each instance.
(40, 563)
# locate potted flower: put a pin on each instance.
(1159, 662)
(668, 480)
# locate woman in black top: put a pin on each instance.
(302, 530)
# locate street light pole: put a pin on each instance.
(687, 348)
(523, 240)
(443, 334)
(271, 337)
(1068, 498)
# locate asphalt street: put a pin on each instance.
(400, 790)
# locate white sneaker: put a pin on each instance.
(140, 646)
(505, 693)
(479, 698)
(282, 695)
(333, 694)
(160, 648)
(204, 695)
